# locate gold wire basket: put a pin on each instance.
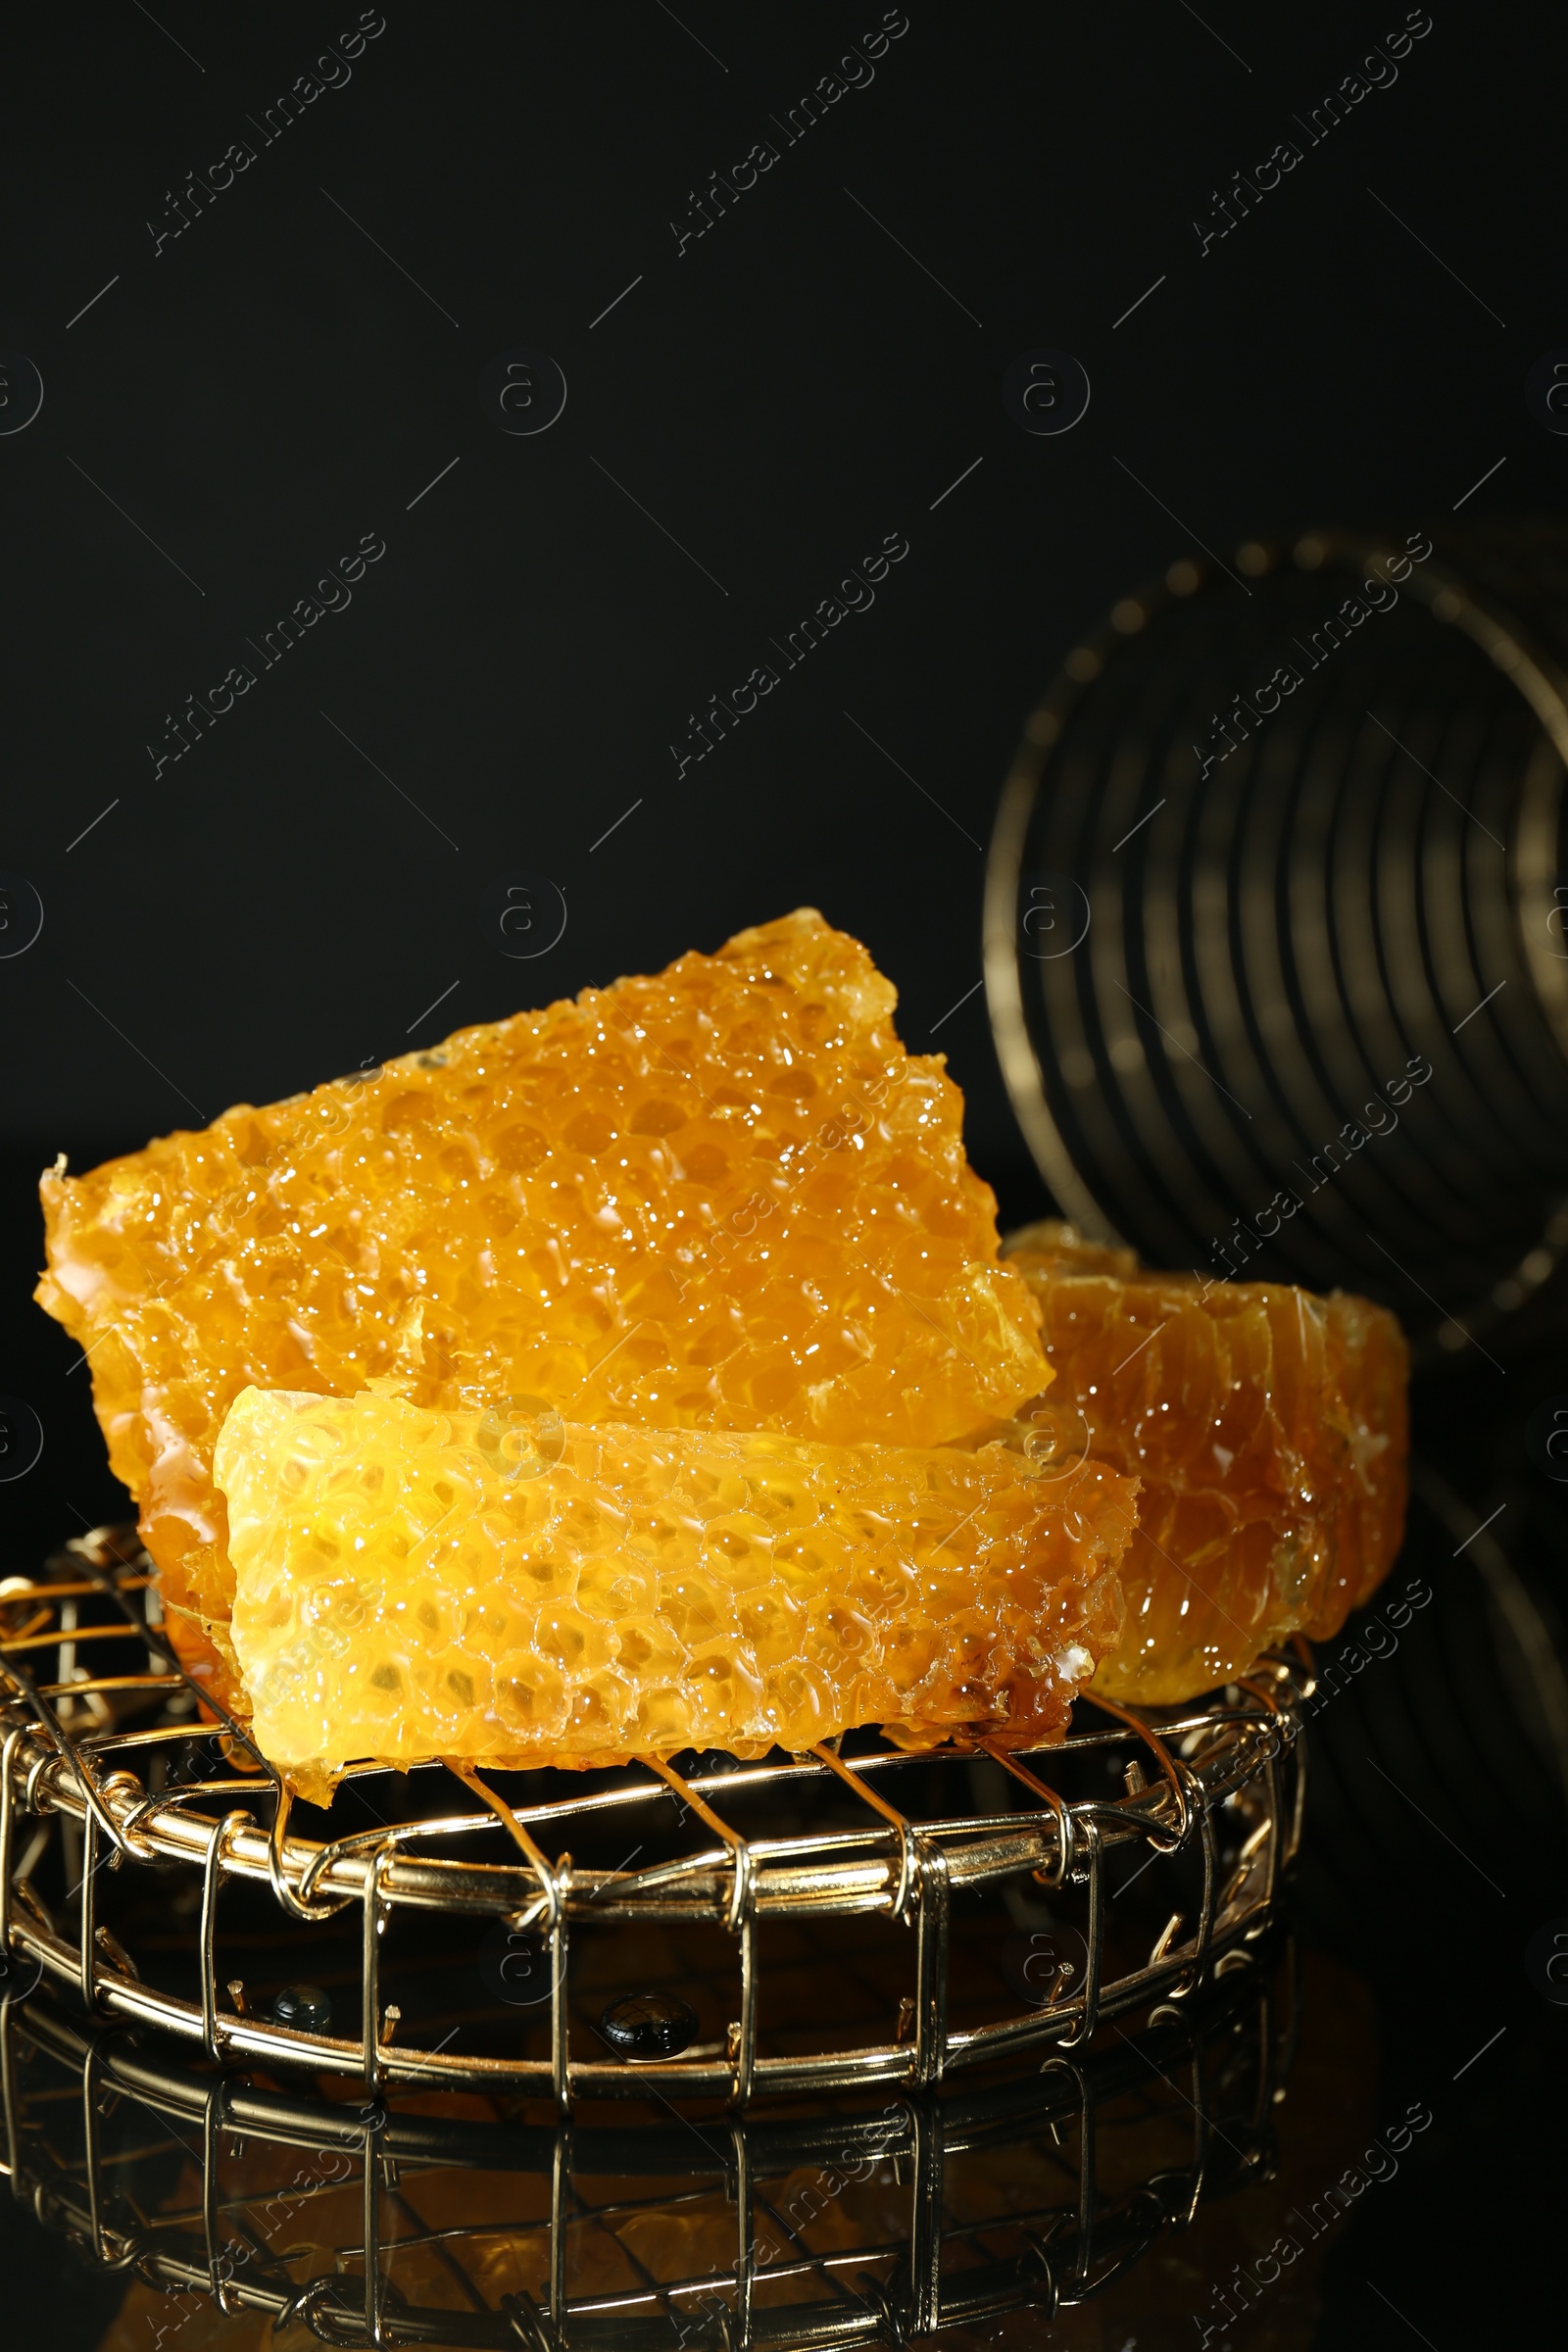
(864, 2224)
(150, 1811)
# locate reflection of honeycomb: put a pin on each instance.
(414, 1583)
(724, 1197)
(1269, 1429)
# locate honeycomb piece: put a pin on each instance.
(516, 1589)
(722, 1197)
(1269, 1427)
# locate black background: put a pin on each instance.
(241, 404)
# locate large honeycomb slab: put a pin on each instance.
(511, 1589)
(721, 1197)
(1269, 1427)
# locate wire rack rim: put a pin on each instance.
(303, 2118)
(1233, 1741)
(246, 2038)
(1242, 1737)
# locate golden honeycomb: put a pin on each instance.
(1269, 1427)
(723, 1196)
(519, 1589)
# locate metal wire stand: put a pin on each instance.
(100, 1745)
(828, 2230)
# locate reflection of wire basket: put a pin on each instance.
(100, 1729)
(857, 2226)
(1271, 844)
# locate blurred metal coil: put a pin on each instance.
(1280, 837)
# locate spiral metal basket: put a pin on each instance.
(390, 2225)
(1276, 922)
(149, 1816)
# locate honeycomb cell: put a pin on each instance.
(1269, 1427)
(723, 1196)
(938, 1592)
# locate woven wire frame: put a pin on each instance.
(79, 1747)
(1260, 935)
(388, 2264)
